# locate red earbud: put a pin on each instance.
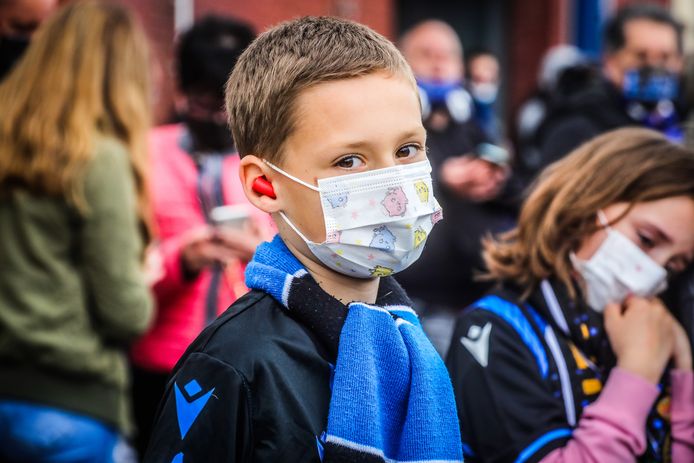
(262, 186)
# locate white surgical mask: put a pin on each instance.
(618, 268)
(484, 92)
(376, 222)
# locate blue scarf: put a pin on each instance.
(392, 399)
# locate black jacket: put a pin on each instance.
(508, 390)
(253, 387)
(522, 382)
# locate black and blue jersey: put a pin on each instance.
(253, 387)
(523, 371)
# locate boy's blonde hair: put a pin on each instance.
(630, 165)
(269, 76)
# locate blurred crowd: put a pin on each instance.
(120, 242)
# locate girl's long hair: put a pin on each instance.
(85, 75)
(628, 165)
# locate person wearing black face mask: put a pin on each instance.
(206, 121)
(642, 63)
(18, 20)
(194, 171)
(11, 49)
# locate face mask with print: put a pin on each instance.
(376, 222)
(618, 268)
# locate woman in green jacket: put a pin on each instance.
(73, 225)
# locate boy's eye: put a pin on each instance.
(349, 162)
(409, 151)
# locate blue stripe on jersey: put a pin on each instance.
(539, 443)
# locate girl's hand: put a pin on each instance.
(641, 336)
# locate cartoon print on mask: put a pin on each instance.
(436, 216)
(422, 191)
(380, 271)
(419, 236)
(333, 237)
(395, 202)
(338, 199)
(383, 239)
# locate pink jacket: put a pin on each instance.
(181, 304)
(611, 430)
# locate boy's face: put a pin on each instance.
(343, 127)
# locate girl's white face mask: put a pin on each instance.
(618, 268)
(376, 222)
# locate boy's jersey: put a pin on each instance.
(521, 385)
(253, 387)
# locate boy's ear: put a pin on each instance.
(256, 179)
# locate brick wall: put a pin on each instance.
(535, 26)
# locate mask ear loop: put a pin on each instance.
(291, 177)
(301, 182)
(294, 227)
(603, 219)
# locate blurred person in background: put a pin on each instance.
(195, 171)
(74, 219)
(469, 177)
(641, 68)
(19, 19)
(564, 72)
(681, 292)
(483, 80)
(573, 356)
(688, 98)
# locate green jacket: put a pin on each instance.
(72, 293)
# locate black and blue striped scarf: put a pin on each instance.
(392, 399)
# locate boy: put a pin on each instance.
(325, 115)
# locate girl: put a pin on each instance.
(567, 360)
(73, 223)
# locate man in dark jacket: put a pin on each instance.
(641, 66)
(468, 182)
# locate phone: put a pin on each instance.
(234, 216)
(493, 153)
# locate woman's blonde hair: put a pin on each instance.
(628, 165)
(84, 75)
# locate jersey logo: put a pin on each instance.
(477, 343)
(187, 411)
